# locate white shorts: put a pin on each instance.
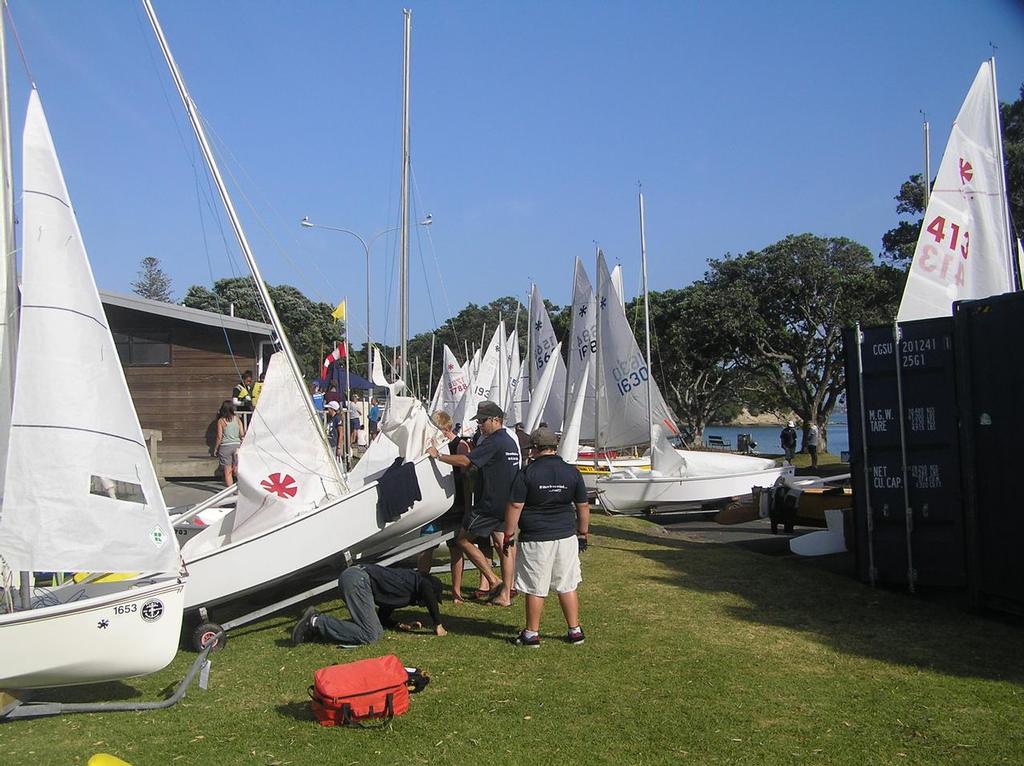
(548, 565)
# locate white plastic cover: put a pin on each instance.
(543, 342)
(60, 457)
(665, 459)
(624, 411)
(964, 249)
(285, 468)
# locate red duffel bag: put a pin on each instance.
(377, 688)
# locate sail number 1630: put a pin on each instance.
(632, 380)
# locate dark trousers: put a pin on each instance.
(364, 627)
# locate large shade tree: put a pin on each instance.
(789, 304)
(309, 326)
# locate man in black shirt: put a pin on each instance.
(548, 503)
(497, 457)
(371, 594)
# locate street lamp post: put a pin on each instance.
(367, 245)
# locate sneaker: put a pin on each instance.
(575, 637)
(523, 640)
(303, 630)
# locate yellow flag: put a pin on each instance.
(339, 313)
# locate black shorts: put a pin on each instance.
(477, 524)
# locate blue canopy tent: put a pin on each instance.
(336, 375)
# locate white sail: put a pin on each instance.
(284, 469)
(8, 269)
(583, 347)
(964, 249)
(624, 412)
(569, 444)
(480, 385)
(518, 394)
(80, 491)
(377, 368)
(452, 387)
(540, 395)
(543, 342)
(620, 289)
(498, 392)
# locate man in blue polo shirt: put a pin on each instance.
(497, 458)
(548, 503)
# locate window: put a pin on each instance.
(136, 351)
(116, 489)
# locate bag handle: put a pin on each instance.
(389, 710)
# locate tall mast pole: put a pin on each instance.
(404, 271)
(647, 326)
(598, 388)
(430, 372)
(927, 161)
(236, 225)
(9, 295)
(1011, 261)
(572, 345)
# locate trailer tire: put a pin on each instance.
(204, 633)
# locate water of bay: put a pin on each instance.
(767, 437)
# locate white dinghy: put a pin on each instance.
(80, 492)
(683, 478)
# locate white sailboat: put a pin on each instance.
(541, 354)
(681, 478)
(295, 510)
(79, 491)
(965, 249)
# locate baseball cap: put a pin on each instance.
(486, 410)
(333, 406)
(544, 438)
(791, 424)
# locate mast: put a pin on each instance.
(571, 342)
(236, 225)
(430, 371)
(1003, 209)
(404, 271)
(597, 363)
(647, 326)
(927, 162)
(9, 293)
(529, 341)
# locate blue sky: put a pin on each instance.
(531, 124)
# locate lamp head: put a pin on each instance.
(306, 222)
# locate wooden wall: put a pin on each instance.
(182, 399)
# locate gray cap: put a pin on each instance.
(544, 438)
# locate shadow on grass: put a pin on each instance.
(838, 611)
(111, 691)
(299, 711)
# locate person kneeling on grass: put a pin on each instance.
(548, 503)
(371, 594)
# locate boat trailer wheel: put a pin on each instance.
(205, 633)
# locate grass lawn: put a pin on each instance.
(695, 653)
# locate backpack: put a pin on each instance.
(376, 688)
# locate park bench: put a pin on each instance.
(717, 442)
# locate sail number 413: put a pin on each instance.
(937, 228)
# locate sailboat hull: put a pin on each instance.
(634, 491)
(315, 539)
(118, 630)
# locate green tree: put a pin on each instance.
(1013, 152)
(309, 326)
(694, 354)
(898, 243)
(789, 304)
(153, 282)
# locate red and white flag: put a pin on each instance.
(335, 356)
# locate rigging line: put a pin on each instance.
(233, 161)
(189, 150)
(423, 264)
(17, 41)
(437, 265)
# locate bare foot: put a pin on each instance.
(496, 602)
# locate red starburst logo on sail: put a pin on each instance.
(282, 487)
(450, 366)
(966, 171)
